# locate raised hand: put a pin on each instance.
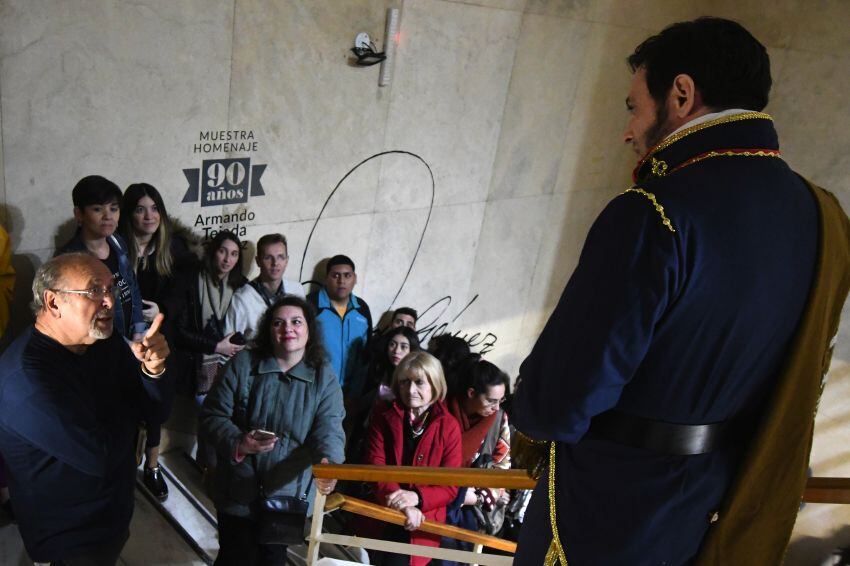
(153, 348)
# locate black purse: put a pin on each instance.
(282, 518)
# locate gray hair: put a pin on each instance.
(51, 274)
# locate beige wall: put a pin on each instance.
(516, 105)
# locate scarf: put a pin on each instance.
(473, 431)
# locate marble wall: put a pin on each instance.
(512, 108)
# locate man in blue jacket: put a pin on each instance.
(346, 324)
(72, 393)
(669, 337)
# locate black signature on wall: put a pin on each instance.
(435, 327)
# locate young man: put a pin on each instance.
(346, 324)
(252, 300)
(97, 207)
(72, 395)
(693, 293)
(404, 316)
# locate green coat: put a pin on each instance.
(303, 406)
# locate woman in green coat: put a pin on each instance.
(276, 410)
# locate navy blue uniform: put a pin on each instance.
(681, 315)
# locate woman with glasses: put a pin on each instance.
(485, 443)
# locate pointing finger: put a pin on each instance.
(157, 322)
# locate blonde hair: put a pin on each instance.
(421, 364)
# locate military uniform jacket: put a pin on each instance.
(688, 289)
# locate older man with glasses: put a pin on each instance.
(72, 393)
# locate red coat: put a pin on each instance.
(439, 446)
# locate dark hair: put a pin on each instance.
(95, 189)
(480, 375)
(408, 333)
(729, 66)
(235, 277)
(408, 311)
(381, 370)
(339, 260)
(268, 240)
(452, 352)
(314, 354)
(162, 257)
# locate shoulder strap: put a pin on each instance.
(258, 287)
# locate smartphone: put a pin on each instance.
(262, 435)
(238, 338)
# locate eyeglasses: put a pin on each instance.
(96, 294)
(493, 402)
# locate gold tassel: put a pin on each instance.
(551, 556)
(529, 454)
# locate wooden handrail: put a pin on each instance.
(818, 490)
(827, 490)
(461, 477)
(381, 513)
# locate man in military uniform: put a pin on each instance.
(652, 373)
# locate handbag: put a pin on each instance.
(282, 517)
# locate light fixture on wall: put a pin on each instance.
(390, 44)
(365, 51)
(367, 54)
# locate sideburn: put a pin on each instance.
(660, 128)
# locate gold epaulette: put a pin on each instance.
(654, 201)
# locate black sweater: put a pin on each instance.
(67, 424)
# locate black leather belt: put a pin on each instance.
(659, 436)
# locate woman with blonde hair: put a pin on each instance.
(414, 429)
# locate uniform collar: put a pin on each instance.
(299, 371)
(740, 133)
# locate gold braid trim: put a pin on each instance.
(528, 438)
(658, 207)
(667, 142)
(555, 555)
(729, 153)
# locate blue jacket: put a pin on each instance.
(302, 406)
(679, 314)
(67, 428)
(119, 247)
(346, 339)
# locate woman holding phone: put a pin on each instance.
(199, 300)
(276, 410)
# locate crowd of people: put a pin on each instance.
(282, 380)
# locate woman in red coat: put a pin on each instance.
(415, 429)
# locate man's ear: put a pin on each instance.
(470, 392)
(50, 300)
(78, 215)
(684, 98)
